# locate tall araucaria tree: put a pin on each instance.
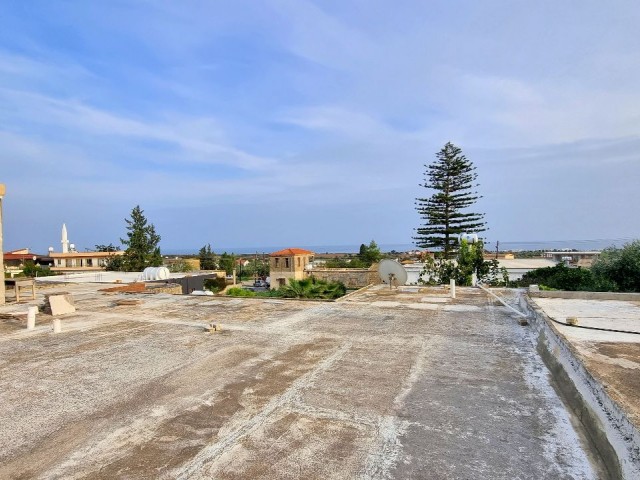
(452, 178)
(141, 242)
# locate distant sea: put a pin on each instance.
(597, 244)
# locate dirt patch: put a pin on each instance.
(136, 287)
(618, 367)
(12, 323)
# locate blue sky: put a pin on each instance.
(291, 122)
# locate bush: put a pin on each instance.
(215, 284)
(32, 270)
(241, 292)
(619, 269)
(560, 277)
(313, 288)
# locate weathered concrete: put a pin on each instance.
(60, 304)
(604, 401)
(351, 277)
(631, 297)
(286, 390)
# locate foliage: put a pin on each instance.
(618, 269)
(470, 260)
(345, 262)
(30, 269)
(207, 258)
(227, 262)
(141, 242)
(560, 277)
(313, 288)
(242, 292)
(451, 176)
(369, 254)
(215, 284)
(107, 248)
(257, 267)
(115, 263)
(180, 266)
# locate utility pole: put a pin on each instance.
(497, 246)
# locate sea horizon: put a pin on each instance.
(583, 245)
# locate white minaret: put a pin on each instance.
(65, 240)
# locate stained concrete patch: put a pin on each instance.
(461, 308)
(435, 299)
(424, 306)
(385, 304)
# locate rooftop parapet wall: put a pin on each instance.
(351, 277)
(629, 297)
(610, 429)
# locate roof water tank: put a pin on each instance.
(155, 273)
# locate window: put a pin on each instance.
(286, 262)
(298, 261)
(277, 262)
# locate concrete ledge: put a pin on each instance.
(610, 430)
(630, 297)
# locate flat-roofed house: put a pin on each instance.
(288, 263)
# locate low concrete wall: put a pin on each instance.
(610, 430)
(351, 277)
(630, 297)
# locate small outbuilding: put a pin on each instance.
(288, 263)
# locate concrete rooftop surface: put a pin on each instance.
(613, 357)
(395, 384)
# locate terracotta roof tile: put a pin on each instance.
(291, 251)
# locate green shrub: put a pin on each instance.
(618, 269)
(215, 284)
(240, 292)
(32, 270)
(560, 277)
(313, 288)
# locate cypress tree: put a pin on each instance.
(452, 178)
(141, 242)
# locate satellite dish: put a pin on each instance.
(392, 273)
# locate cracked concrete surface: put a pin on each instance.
(387, 384)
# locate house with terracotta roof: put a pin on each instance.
(288, 263)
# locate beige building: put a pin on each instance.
(72, 262)
(288, 263)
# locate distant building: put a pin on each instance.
(288, 263)
(579, 259)
(15, 260)
(71, 261)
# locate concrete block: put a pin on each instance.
(31, 318)
(572, 320)
(61, 304)
(213, 327)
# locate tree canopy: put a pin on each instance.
(369, 254)
(142, 243)
(451, 178)
(207, 258)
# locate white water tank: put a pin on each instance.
(155, 273)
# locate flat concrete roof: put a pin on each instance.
(403, 383)
(612, 358)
